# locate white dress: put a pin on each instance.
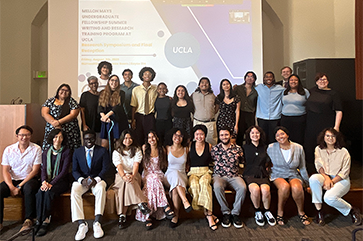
(175, 175)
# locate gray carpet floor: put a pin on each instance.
(338, 228)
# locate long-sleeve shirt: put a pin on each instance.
(269, 102)
(334, 163)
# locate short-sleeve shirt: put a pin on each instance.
(128, 94)
(126, 161)
(226, 162)
(138, 98)
(21, 164)
(89, 102)
(204, 105)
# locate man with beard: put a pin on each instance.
(227, 157)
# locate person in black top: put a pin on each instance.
(111, 109)
(323, 109)
(182, 107)
(89, 106)
(256, 174)
(163, 121)
(200, 175)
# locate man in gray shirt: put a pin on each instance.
(205, 109)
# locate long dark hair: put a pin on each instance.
(109, 98)
(120, 147)
(163, 164)
(65, 109)
(186, 97)
(221, 94)
(300, 89)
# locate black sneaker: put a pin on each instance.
(237, 221)
(226, 221)
(144, 208)
(122, 221)
(356, 217)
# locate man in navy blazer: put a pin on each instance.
(91, 166)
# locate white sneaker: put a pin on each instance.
(82, 230)
(260, 220)
(97, 230)
(270, 218)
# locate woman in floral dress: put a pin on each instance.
(229, 106)
(61, 111)
(154, 162)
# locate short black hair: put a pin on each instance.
(24, 127)
(127, 70)
(55, 132)
(250, 72)
(171, 132)
(90, 132)
(262, 135)
(103, 63)
(143, 70)
(200, 127)
(224, 128)
(284, 129)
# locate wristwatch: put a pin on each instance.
(18, 187)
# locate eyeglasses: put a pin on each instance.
(179, 136)
(24, 135)
(64, 90)
(323, 79)
(92, 83)
(330, 136)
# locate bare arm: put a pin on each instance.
(133, 121)
(7, 177)
(338, 119)
(83, 117)
(327, 182)
(48, 118)
(216, 108)
(237, 116)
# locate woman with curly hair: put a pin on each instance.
(332, 162)
(154, 163)
(110, 107)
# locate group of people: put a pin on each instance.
(174, 142)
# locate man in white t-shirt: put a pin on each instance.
(21, 163)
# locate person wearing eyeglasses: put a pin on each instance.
(21, 164)
(324, 109)
(61, 111)
(332, 162)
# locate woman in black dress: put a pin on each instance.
(163, 120)
(324, 109)
(229, 108)
(182, 106)
(256, 174)
(89, 106)
(111, 108)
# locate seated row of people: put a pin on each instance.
(282, 162)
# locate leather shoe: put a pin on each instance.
(43, 230)
(319, 219)
(356, 217)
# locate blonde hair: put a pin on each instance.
(107, 98)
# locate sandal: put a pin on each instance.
(304, 219)
(172, 224)
(149, 224)
(169, 212)
(280, 220)
(214, 226)
(189, 208)
(216, 220)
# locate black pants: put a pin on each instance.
(162, 127)
(45, 199)
(268, 126)
(246, 119)
(29, 189)
(296, 126)
(144, 123)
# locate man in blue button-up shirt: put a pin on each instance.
(269, 105)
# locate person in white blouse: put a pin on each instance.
(127, 157)
(332, 162)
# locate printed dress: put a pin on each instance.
(227, 115)
(153, 189)
(71, 128)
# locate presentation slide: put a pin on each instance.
(181, 40)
